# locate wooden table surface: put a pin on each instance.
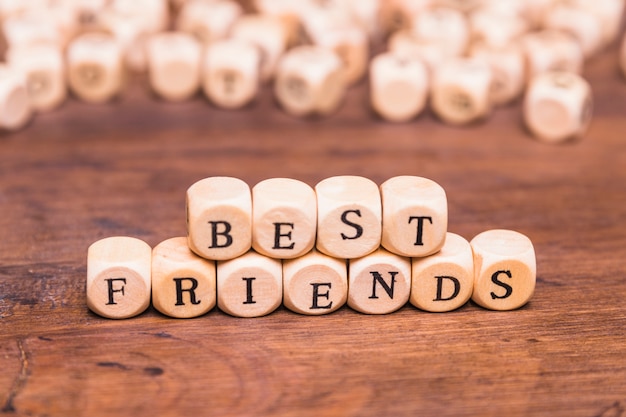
(85, 172)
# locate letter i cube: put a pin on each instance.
(443, 281)
(183, 284)
(379, 283)
(415, 216)
(250, 285)
(284, 218)
(315, 284)
(219, 218)
(505, 269)
(118, 277)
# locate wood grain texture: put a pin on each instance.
(85, 172)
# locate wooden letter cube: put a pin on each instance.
(284, 218)
(250, 285)
(551, 50)
(183, 284)
(504, 269)
(398, 86)
(508, 68)
(95, 67)
(443, 281)
(44, 69)
(445, 27)
(315, 283)
(379, 283)
(118, 277)
(219, 218)
(351, 44)
(405, 44)
(268, 34)
(558, 106)
(349, 218)
(585, 27)
(230, 77)
(174, 65)
(461, 91)
(15, 108)
(309, 80)
(415, 216)
(208, 21)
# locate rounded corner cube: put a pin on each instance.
(415, 216)
(219, 218)
(119, 277)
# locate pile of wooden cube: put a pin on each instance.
(462, 56)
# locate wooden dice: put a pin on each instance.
(119, 277)
(284, 218)
(268, 34)
(551, 50)
(504, 269)
(174, 65)
(208, 21)
(443, 281)
(558, 106)
(309, 80)
(43, 67)
(461, 91)
(315, 283)
(250, 285)
(219, 218)
(585, 27)
(415, 216)
(230, 73)
(94, 67)
(398, 86)
(183, 284)
(379, 283)
(508, 70)
(444, 27)
(15, 107)
(349, 217)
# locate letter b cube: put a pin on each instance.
(219, 218)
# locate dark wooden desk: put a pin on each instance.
(85, 172)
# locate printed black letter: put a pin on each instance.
(344, 219)
(317, 295)
(112, 291)
(457, 288)
(249, 299)
(278, 235)
(191, 291)
(507, 287)
(420, 227)
(225, 233)
(388, 288)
